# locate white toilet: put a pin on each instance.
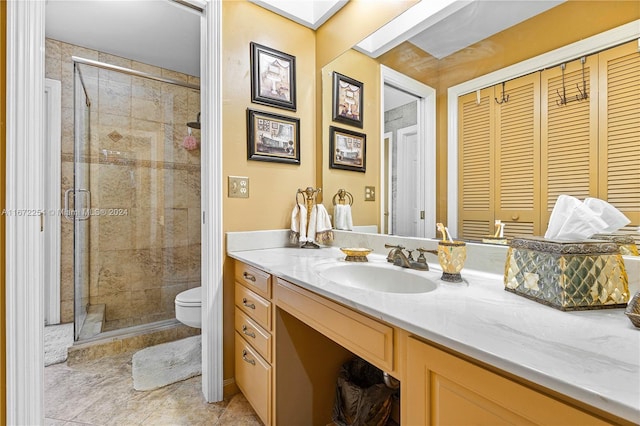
(189, 307)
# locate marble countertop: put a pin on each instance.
(592, 356)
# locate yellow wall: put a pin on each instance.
(355, 21)
(3, 145)
(272, 186)
(364, 69)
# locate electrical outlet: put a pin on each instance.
(369, 193)
(238, 187)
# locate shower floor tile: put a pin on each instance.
(100, 392)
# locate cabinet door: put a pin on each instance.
(569, 133)
(620, 129)
(442, 389)
(475, 164)
(517, 171)
(254, 378)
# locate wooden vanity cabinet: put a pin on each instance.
(253, 341)
(291, 342)
(440, 388)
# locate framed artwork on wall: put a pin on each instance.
(347, 149)
(273, 77)
(347, 100)
(273, 137)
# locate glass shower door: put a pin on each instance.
(77, 202)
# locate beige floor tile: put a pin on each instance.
(100, 393)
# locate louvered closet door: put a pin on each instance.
(569, 134)
(620, 129)
(475, 165)
(517, 176)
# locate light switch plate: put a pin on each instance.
(238, 187)
(369, 193)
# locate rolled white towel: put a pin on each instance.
(342, 217)
(298, 224)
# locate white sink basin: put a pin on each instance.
(377, 277)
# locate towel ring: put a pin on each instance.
(341, 195)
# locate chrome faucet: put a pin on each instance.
(398, 258)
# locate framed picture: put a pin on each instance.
(273, 77)
(347, 150)
(347, 100)
(273, 137)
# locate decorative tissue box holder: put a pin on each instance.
(569, 276)
(626, 243)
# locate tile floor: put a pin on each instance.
(100, 392)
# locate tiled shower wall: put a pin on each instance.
(145, 187)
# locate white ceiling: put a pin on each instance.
(157, 32)
(310, 13)
(394, 98)
(167, 34)
(443, 27)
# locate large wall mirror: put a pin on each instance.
(459, 43)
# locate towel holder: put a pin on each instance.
(342, 197)
(309, 196)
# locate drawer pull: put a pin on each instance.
(249, 360)
(246, 331)
(515, 217)
(248, 276)
(247, 304)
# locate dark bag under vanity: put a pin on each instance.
(362, 397)
(580, 275)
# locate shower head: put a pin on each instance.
(194, 124)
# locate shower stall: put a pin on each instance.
(131, 195)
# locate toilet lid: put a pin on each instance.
(192, 296)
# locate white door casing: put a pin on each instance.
(51, 160)
(426, 141)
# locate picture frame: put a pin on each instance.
(273, 77)
(347, 150)
(272, 137)
(348, 98)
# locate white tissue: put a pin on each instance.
(572, 219)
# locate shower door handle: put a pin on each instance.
(67, 213)
(82, 214)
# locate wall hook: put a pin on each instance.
(563, 97)
(504, 99)
(583, 93)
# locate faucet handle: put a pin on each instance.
(391, 246)
(410, 254)
(422, 251)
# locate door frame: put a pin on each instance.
(24, 193)
(401, 134)
(51, 264)
(385, 161)
(426, 140)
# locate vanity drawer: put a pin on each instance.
(255, 279)
(253, 376)
(364, 336)
(256, 336)
(254, 306)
